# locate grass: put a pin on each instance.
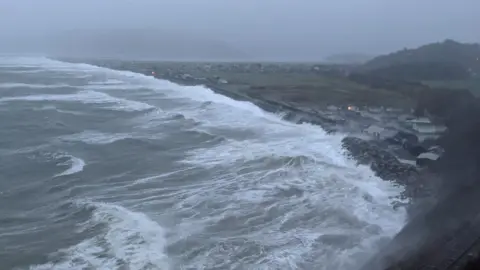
(293, 83)
(473, 85)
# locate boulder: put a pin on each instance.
(381, 161)
(414, 149)
(402, 137)
(407, 141)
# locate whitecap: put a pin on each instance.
(131, 240)
(107, 82)
(87, 97)
(35, 86)
(75, 164)
(95, 137)
(238, 191)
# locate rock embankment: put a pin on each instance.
(447, 234)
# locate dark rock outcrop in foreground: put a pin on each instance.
(447, 235)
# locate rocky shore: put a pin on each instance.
(383, 130)
(427, 141)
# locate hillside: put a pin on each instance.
(447, 60)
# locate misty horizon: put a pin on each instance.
(248, 30)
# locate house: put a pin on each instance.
(425, 126)
(379, 132)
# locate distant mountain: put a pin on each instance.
(448, 60)
(131, 44)
(348, 58)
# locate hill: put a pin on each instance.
(447, 60)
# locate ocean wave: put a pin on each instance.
(23, 71)
(130, 240)
(87, 97)
(118, 139)
(35, 86)
(94, 137)
(284, 198)
(316, 148)
(54, 108)
(75, 165)
(159, 118)
(107, 82)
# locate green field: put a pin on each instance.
(294, 83)
(473, 85)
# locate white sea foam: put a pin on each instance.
(87, 97)
(328, 180)
(131, 240)
(75, 165)
(289, 194)
(54, 108)
(107, 82)
(35, 86)
(95, 137)
(21, 71)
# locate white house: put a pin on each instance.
(424, 125)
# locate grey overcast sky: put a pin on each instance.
(272, 28)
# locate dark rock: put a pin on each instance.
(427, 159)
(438, 239)
(382, 162)
(442, 235)
(460, 164)
(407, 141)
(403, 137)
(378, 132)
(414, 149)
(442, 103)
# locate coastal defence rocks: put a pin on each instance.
(460, 112)
(383, 162)
(443, 238)
(447, 234)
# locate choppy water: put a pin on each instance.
(104, 169)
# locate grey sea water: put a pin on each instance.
(104, 169)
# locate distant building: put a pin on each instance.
(353, 108)
(424, 125)
(379, 132)
(375, 109)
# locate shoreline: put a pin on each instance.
(419, 241)
(267, 105)
(416, 239)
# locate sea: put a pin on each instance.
(107, 169)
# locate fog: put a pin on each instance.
(247, 29)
